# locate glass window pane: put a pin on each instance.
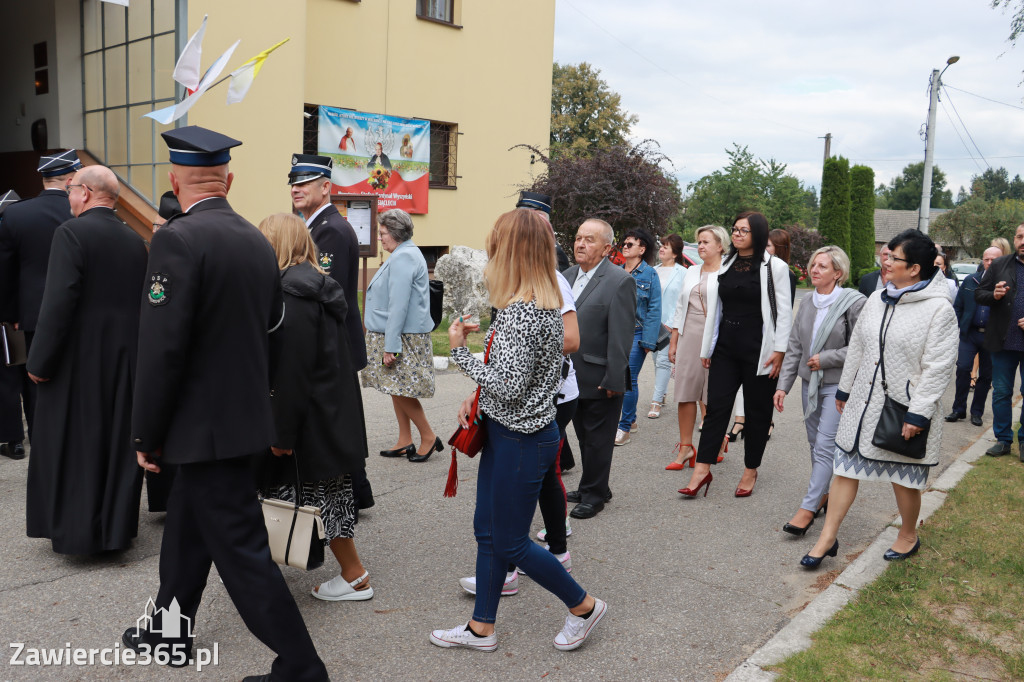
(163, 15)
(163, 66)
(115, 76)
(117, 137)
(138, 19)
(141, 134)
(92, 72)
(140, 72)
(94, 134)
(91, 25)
(141, 180)
(113, 23)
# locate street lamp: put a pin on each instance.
(929, 147)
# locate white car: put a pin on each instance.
(961, 270)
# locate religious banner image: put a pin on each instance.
(377, 154)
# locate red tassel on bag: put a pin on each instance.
(452, 486)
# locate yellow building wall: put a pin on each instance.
(492, 77)
(269, 120)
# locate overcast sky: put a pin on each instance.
(776, 76)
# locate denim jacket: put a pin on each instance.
(648, 304)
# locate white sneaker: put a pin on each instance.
(577, 628)
(621, 437)
(339, 589)
(564, 559)
(510, 587)
(542, 534)
(461, 636)
(633, 428)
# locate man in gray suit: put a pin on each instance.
(606, 311)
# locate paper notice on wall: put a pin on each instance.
(359, 217)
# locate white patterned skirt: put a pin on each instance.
(412, 376)
(335, 499)
(855, 465)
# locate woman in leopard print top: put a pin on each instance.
(518, 385)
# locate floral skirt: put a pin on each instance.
(411, 377)
(335, 499)
(855, 465)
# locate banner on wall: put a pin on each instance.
(377, 154)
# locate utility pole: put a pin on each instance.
(929, 147)
(828, 146)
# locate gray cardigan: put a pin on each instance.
(832, 356)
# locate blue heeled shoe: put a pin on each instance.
(893, 555)
(814, 561)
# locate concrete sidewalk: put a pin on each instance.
(695, 587)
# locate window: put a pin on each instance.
(128, 54)
(443, 148)
(436, 10)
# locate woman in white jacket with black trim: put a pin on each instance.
(744, 348)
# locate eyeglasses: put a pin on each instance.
(67, 188)
(741, 230)
(892, 257)
(630, 245)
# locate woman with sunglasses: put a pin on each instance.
(640, 251)
(744, 348)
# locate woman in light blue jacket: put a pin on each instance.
(400, 356)
(670, 272)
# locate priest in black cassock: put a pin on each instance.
(84, 482)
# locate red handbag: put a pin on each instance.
(469, 439)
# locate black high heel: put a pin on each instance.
(733, 434)
(797, 530)
(406, 451)
(436, 447)
(814, 561)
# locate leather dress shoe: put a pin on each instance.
(134, 639)
(438, 446)
(259, 678)
(574, 496)
(976, 419)
(893, 555)
(408, 451)
(955, 416)
(998, 450)
(13, 450)
(585, 510)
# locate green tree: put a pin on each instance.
(995, 184)
(585, 113)
(746, 184)
(834, 221)
(862, 218)
(904, 191)
(975, 223)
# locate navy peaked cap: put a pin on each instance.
(541, 202)
(195, 146)
(60, 163)
(8, 198)
(306, 167)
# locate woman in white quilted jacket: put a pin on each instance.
(912, 317)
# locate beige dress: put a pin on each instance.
(691, 377)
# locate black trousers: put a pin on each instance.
(595, 423)
(16, 392)
(214, 517)
(729, 372)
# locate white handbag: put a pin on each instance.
(295, 532)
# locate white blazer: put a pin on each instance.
(691, 279)
(773, 339)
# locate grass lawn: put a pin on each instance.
(955, 611)
(439, 337)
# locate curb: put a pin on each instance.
(796, 635)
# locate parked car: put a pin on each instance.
(962, 269)
(690, 255)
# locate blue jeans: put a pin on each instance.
(637, 355)
(1005, 364)
(662, 373)
(972, 346)
(512, 467)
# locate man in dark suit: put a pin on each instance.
(25, 236)
(874, 281)
(1002, 289)
(972, 320)
(335, 239)
(606, 311)
(202, 402)
(83, 486)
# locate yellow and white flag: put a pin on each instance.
(243, 76)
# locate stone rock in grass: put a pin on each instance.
(465, 292)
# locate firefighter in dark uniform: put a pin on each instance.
(310, 182)
(202, 403)
(26, 233)
(12, 432)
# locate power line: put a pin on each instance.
(969, 136)
(989, 99)
(951, 123)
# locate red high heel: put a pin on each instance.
(706, 481)
(690, 461)
(744, 492)
(724, 449)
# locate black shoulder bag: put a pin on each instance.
(889, 431)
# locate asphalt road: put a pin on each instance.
(693, 586)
